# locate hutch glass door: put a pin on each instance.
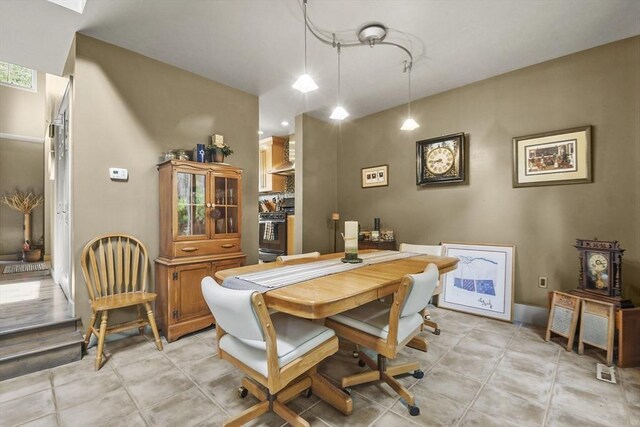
(191, 200)
(226, 201)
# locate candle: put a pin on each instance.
(351, 239)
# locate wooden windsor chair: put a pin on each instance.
(115, 269)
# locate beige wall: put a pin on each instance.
(319, 185)
(22, 111)
(598, 87)
(20, 168)
(21, 163)
(127, 109)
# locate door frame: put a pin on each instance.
(68, 238)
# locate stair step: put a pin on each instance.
(37, 332)
(37, 354)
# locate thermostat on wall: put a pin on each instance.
(118, 173)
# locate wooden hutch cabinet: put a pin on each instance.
(200, 230)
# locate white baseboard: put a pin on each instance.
(531, 314)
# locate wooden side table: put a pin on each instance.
(387, 245)
(628, 324)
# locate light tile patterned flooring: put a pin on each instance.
(479, 372)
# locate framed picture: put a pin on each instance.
(552, 158)
(483, 282)
(440, 160)
(375, 176)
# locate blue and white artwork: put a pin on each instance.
(483, 282)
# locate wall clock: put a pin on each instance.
(440, 160)
(600, 274)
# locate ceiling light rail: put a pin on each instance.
(370, 34)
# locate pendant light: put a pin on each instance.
(339, 113)
(409, 124)
(305, 83)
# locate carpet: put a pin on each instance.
(23, 268)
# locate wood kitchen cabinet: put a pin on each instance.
(271, 155)
(200, 233)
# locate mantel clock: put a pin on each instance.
(600, 268)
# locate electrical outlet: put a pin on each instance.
(542, 282)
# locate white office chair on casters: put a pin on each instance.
(285, 258)
(386, 328)
(274, 351)
(436, 250)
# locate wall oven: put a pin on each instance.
(272, 235)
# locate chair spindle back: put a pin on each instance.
(114, 264)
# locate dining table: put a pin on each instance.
(327, 295)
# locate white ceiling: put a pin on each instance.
(257, 45)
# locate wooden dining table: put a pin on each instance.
(332, 294)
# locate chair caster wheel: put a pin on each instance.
(418, 374)
(414, 411)
(436, 332)
(361, 364)
(347, 390)
(242, 392)
(355, 354)
(307, 393)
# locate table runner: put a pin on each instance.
(264, 281)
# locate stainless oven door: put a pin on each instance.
(272, 238)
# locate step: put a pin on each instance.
(37, 332)
(34, 355)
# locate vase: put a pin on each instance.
(217, 156)
(32, 255)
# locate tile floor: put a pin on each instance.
(479, 372)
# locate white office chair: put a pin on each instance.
(272, 350)
(285, 258)
(436, 250)
(386, 328)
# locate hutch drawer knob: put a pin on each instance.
(228, 245)
(209, 205)
(190, 249)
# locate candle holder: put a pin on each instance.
(351, 243)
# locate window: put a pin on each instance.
(18, 76)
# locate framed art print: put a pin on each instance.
(552, 158)
(483, 282)
(375, 176)
(440, 160)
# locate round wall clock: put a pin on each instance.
(440, 160)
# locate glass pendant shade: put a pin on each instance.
(409, 124)
(339, 113)
(305, 84)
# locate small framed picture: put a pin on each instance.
(552, 158)
(375, 176)
(440, 160)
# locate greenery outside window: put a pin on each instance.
(18, 76)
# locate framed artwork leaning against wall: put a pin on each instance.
(483, 282)
(552, 158)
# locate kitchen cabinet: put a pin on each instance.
(200, 233)
(271, 156)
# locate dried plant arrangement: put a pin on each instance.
(22, 201)
(25, 202)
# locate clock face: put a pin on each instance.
(598, 263)
(440, 160)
